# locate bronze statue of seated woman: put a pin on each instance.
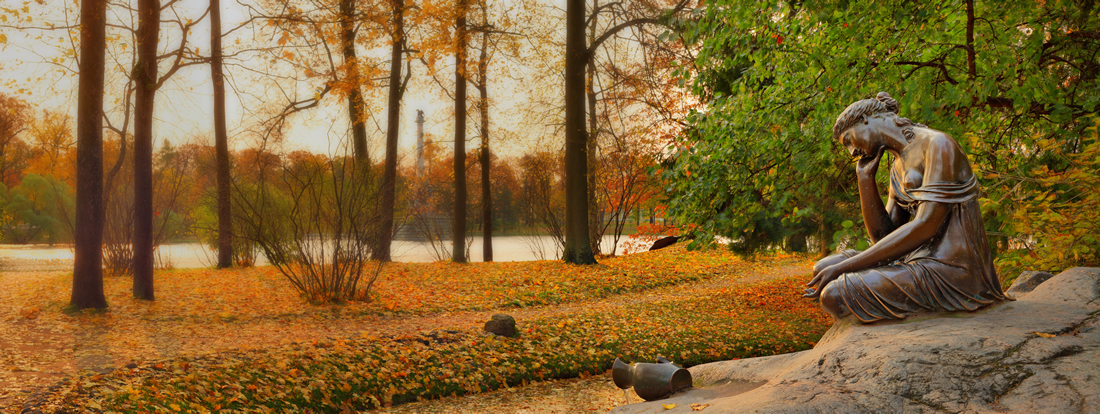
(930, 251)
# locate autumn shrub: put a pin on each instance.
(1054, 223)
(251, 203)
(315, 224)
(171, 180)
(542, 197)
(360, 373)
(429, 213)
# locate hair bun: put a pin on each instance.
(890, 103)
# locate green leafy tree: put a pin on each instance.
(759, 167)
(39, 209)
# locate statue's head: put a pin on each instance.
(882, 105)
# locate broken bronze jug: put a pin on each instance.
(651, 381)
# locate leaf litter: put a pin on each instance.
(241, 339)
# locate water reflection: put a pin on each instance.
(43, 258)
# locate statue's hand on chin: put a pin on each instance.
(867, 165)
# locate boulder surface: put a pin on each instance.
(1027, 282)
(1038, 354)
(501, 325)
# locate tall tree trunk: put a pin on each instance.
(389, 173)
(356, 113)
(578, 250)
(458, 254)
(88, 228)
(146, 74)
(595, 235)
(486, 161)
(221, 140)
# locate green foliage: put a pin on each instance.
(775, 75)
(261, 211)
(205, 227)
(40, 209)
(850, 236)
(1056, 223)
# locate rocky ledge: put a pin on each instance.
(1038, 354)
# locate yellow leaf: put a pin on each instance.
(174, 407)
(668, 406)
(1044, 334)
(3, 38)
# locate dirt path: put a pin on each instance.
(41, 347)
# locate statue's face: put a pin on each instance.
(859, 140)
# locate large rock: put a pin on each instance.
(502, 325)
(1039, 354)
(1027, 282)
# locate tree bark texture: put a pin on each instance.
(486, 160)
(356, 112)
(221, 140)
(578, 250)
(88, 230)
(389, 173)
(595, 235)
(971, 52)
(458, 254)
(146, 74)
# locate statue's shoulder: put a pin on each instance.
(934, 140)
(939, 147)
(931, 134)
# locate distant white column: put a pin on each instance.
(419, 143)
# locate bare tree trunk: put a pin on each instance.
(486, 161)
(594, 224)
(221, 140)
(389, 173)
(971, 53)
(578, 250)
(355, 98)
(88, 234)
(146, 74)
(459, 234)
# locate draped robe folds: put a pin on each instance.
(953, 271)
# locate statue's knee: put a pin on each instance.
(828, 261)
(820, 265)
(832, 302)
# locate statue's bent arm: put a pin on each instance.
(876, 217)
(898, 216)
(929, 218)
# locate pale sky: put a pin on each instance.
(184, 105)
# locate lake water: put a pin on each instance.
(38, 258)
